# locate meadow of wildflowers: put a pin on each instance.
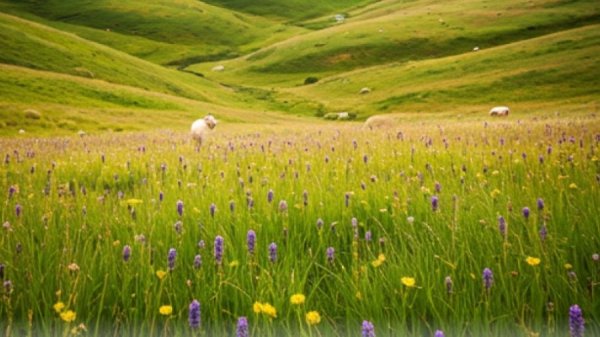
(461, 229)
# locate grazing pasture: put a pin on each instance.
(464, 228)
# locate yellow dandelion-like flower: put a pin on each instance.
(134, 202)
(68, 316)
(234, 263)
(161, 274)
(313, 318)
(495, 193)
(568, 266)
(533, 261)
(408, 281)
(58, 306)
(297, 299)
(573, 186)
(269, 310)
(257, 307)
(165, 310)
(379, 261)
(495, 172)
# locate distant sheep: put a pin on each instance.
(499, 111)
(378, 121)
(201, 127)
(365, 90)
(219, 67)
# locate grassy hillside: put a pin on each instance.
(405, 31)
(167, 32)
(559, 67)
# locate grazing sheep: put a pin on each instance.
(219, 67)
(365, 90)
(201, 126)
(499, 111)
(378, 121)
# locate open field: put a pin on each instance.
(433, 202)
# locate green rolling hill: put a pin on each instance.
(135, 65)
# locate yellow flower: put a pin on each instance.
(257, 307)
(495, 193)
(568, 266)
(379, 261)
(58, 306)
(234, 263)
(533, 261)
(573, 186)
(297, 299)
(134, 202)
(161, 274)
(68, 316)
(313, 318)
(408, 281)
(358, 296)
(165, 310)
(269, 310)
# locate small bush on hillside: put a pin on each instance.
(32, 114)
(311, 80)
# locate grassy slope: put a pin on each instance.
(558, 67)
(404, 31)
(166, 32)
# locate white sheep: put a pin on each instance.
(201, 126)
(499, 111)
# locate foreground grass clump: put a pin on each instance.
(464, 229)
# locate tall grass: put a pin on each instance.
(82, 200)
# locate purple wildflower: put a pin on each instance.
(1, 271)
(319, 223)
(365, 159)
(171, 259)
(543, 233)
(126, 253)
(201, 244)
(197, 261)
(11, 191)
(540, 204)
(541, 159)
(368, 329)
(438, 187)
(434, 203)
(502, 225)
(161, 196)
(178, 226)
(273, 252)
(354, 222)
(251, 241)
(18, 210)
(368, 236)
(576, 321)
(488, 278)
(439, 333)
(270, 196)
(231, 206)
(212, 209)
(330, 254)
(305, 197)
(347, 199)
(526, 212)
(180, 207)
(283, 206)
(242, 327)
(7, 286)
(219, 249)
(194, 314)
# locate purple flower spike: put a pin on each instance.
(576, 321)
(543, 233)
(242, 327)
(526, 212)
(434, 203)
(283, 206)
(438, 187)
(197, 261)
(251, 241)
(178, 226)
(330, 254)
(368, 329)
(126, 253)
(232, 206)
(273, 252)
(7, 286)
(439, 333)
(368, 236)
(194, 314)
(1, 271)
(219, 249)
(18, 210)
(488, 278)
(502, 225)
(347, 199)
(161, 196)
(171, 259)
(320, 223)
(180, 207)
(11, 191)
(270, 196)
(213, 209)
(540, 204)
